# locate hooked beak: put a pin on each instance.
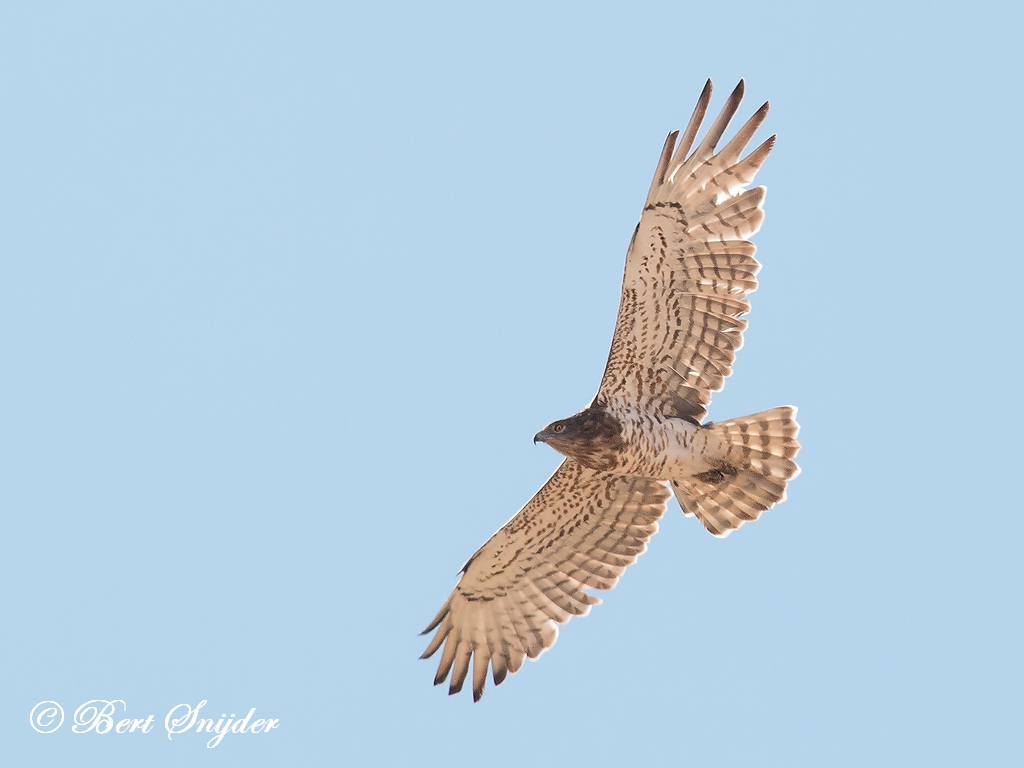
(539, 437)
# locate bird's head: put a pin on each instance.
(593, 437)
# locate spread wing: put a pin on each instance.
(688, 271)
(582, 529)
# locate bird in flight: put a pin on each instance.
(689, 268)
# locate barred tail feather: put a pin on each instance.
(758, 463)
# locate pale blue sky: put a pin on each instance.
(285, 293)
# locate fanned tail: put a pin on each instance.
(753, 475)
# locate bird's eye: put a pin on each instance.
(558, 427)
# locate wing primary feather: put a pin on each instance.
(659, 172)
(447, 657)
(479, 674)
(440, 615)
(499, 669)
(693, 126)
(707, 146)
(731, 152)
(464, 652)
(498, 649)
(435, 643)
(749, 165)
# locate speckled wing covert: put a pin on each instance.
(582, 529)
(688, 270)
